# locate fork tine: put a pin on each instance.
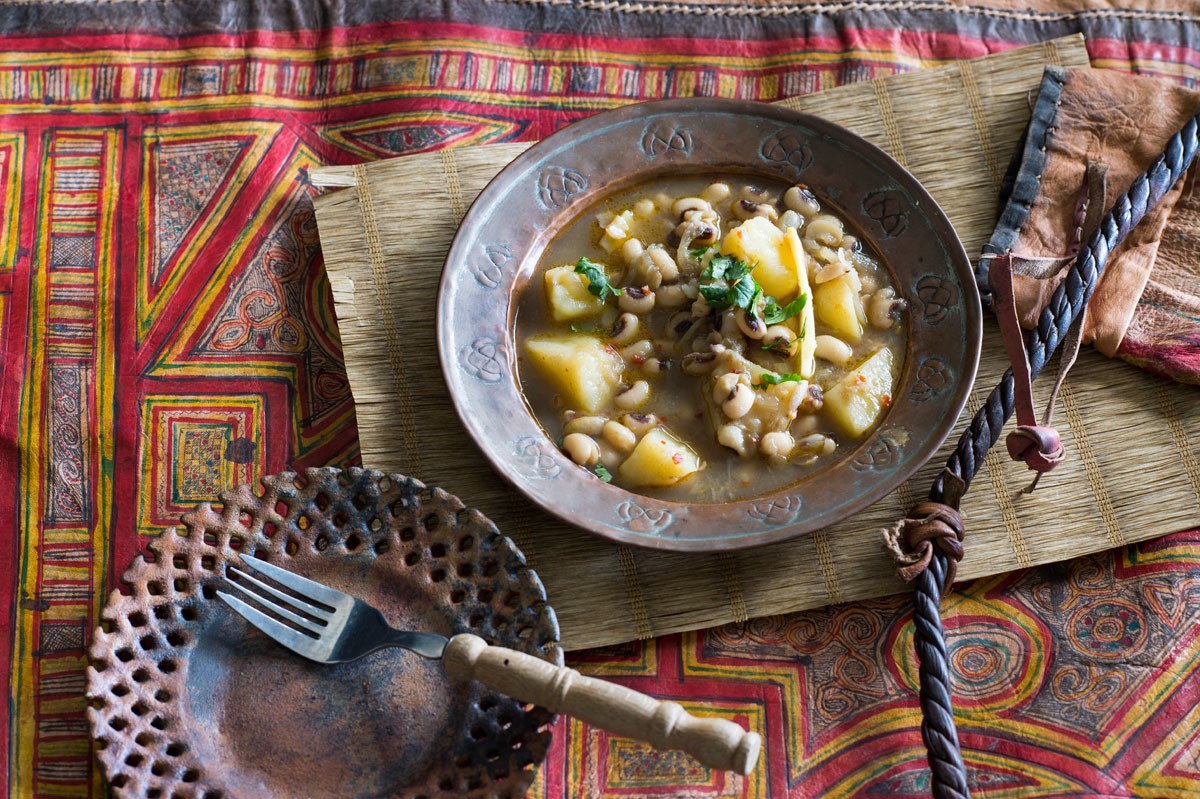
(320, 613)
(302, 585)
(307, 624)
(294, 640)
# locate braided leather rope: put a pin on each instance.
(949, 774)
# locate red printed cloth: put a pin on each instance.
(166, 332)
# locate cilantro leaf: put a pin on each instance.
(604, 474)
(766, 379)
(597, 281)
(716, 296)
(774, 313)
(699, 252)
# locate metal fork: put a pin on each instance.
(330, 626)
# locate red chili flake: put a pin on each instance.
(887, 400)
(638, 360)
(677, 458)
(860, 378)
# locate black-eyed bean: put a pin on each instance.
(698, 363)
(832, 349)
(729, 325)
(644, 207)
(824, 229)
(750, 324)
(634, 396)
(671, 296)
(724, 386)
(790, 218)
(637, 300)
(777, 445)
(632, 250)
(748, 209)
(739, 402)
(625, 329)
(620, 436)
(754, 193)
(640, 423)
(638, 351)
(656, 366)
(582, 449)
(695, 204)
(715, 192)
(799, 199)
(812, 399)
(587, 425)
(779, 338)
(883, 308)
(733, 437)
(662, 261)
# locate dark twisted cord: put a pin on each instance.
(949, 774)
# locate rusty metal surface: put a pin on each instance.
(557, 179)
(190, 702)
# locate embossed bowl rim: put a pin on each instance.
(601, 156)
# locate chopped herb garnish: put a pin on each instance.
(699, 252)
(740, 289)
(774, 313)
(604, 474)
(766, 379)
(780, 344)
(597, 281)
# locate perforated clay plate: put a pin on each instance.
(188, 701)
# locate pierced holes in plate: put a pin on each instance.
(154, 793)
(208, 592)
(143, 739)
(269, 529)
(179, 561)
(208, 562)
(159, 768)
(465, 543)
(140, 709)
(489, 568)
(353, 542)
(120, 689)
(485, 595)
(431, 522)
(465, 570)
(137, 619)
(302, 521)
(382, 546)
(322, 501)
(340, 519)
(118, 723)
(124, 654)
(360, 501)
(412, 558)
(156, 588)
(182, 585)
(162, 612)
(191, 775)
(408, 534)
(119, 781)
(159, 723)
(178, 638)
(162, 695)
(437, 550)
(446, 784)
(168, 666)
(437, 575)
(134, 760)
(292, 546)
(175, 749)
(210, 538)
(322, 542)
(141, 675)
(458, 596)
(189, 613)
(282, 509)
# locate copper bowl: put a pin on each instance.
(502, 238)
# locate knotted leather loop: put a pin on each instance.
(928, 525)
(1040, 447)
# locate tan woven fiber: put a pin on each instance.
(1130, 475)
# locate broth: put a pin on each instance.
(705, 340)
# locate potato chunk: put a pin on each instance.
(660, 459)
(856, 402)
(568, 296)
(580, 367)
(757, 242)
(837, 305)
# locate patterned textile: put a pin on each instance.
(166, 331)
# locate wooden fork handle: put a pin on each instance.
(716, 743)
